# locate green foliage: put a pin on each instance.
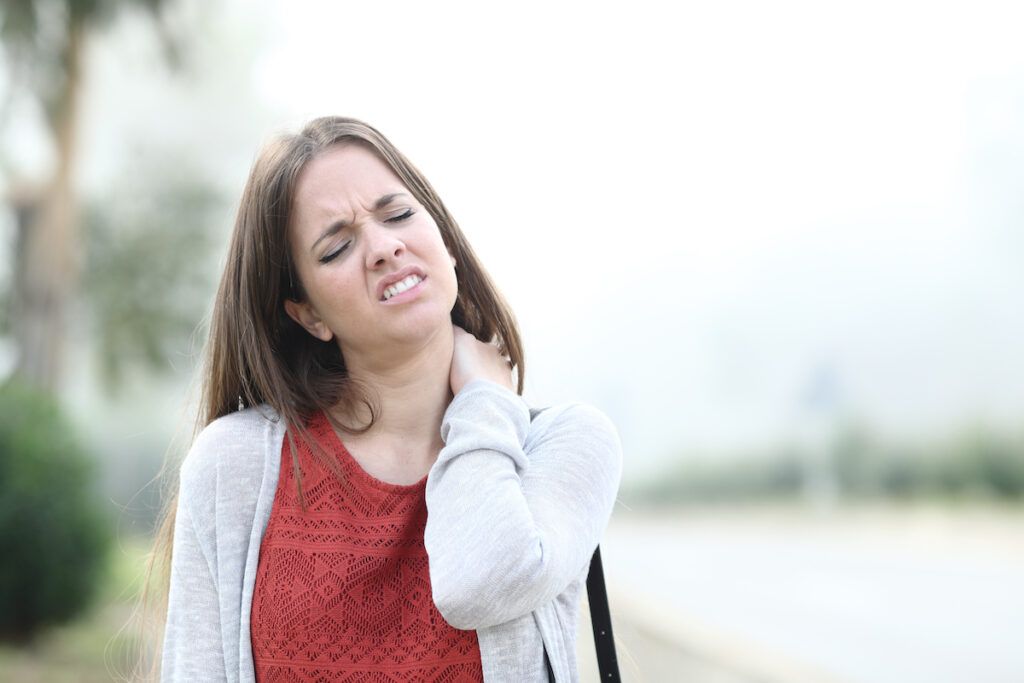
(101, 645)
(5, 307)
(148, 271)
(977, 464)
(53, 533)
(980, 462)
(778, 475)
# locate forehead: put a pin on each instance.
(343, 179)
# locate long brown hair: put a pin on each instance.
(257, 355)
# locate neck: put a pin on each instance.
(413, 389)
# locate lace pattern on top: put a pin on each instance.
(342, 589)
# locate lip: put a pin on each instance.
(398, 276)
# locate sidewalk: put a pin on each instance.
(647, 658)
(655, 646)
(789, 595)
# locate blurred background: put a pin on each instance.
(779, 244)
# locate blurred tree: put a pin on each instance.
(147, 275)
(44, 43)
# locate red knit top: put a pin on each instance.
(343, 590)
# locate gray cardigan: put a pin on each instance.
(515, 509)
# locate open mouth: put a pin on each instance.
(401, 286)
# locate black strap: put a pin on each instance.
(601, 620)
(600, 615)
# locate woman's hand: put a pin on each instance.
(473, 359)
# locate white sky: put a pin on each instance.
(696, 209)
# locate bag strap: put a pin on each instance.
(601, 620)
(600, 614)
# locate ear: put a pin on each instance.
(304, 314)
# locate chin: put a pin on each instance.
(418, 328)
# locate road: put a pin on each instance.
(872, 595)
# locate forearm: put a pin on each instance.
(514, 515)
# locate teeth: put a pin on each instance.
(400, 287)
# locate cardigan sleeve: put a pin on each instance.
(193, 643)
(226, 495)
(515, 509)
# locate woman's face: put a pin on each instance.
(376, 273)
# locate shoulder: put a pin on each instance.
(578, 420)
(238, 444)
(575, 440)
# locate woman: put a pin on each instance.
(370, 498)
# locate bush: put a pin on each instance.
(977, 464)
(53, 535)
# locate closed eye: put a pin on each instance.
(401, 217)
(331, 255)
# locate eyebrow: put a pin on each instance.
(338, 225)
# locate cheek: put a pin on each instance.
(453, 283)
(335, 293)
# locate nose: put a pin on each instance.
(383, 245)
